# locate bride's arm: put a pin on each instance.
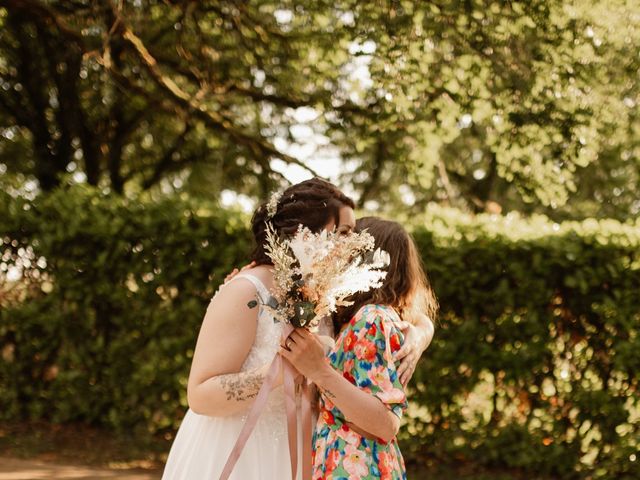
(216, 386)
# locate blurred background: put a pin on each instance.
(137, 136)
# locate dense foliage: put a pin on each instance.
(534, 365)
(529, 105)
(102, 326)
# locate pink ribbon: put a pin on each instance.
(290, 379)
(307, 427)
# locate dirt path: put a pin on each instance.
(14, 469)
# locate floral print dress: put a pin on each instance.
(363, 353)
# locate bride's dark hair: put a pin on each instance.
(313, 203)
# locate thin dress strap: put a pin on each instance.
(262, 290)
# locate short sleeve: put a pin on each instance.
(368, 347)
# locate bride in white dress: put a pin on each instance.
(204, 441)
(236, 344)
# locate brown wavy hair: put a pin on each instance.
(313, 203)
(406, 287)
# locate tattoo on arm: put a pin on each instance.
(241, 386)
(329, 393)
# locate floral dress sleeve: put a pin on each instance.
(368, 347)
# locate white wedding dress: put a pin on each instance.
(203, 444)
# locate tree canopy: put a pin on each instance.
(484, 105)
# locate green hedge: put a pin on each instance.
(536, 362)
(114, 313)
(534, 366)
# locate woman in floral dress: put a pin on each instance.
(362, 398)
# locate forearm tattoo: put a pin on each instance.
(328, 393)
(241, 386)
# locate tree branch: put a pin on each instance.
(259, 146)
(374, 180)
(444, 177)
(16, 112)
(166, 162)
(43, 12)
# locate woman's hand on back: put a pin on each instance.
(235, 271)
(417, 339)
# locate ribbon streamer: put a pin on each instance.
(290, 379)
